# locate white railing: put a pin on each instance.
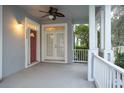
(120, 49)
(107, 74)
(80, 55)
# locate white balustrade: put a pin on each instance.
(80, 55)
(107, 74)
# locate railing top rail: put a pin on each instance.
(110, 64)
(80, 49)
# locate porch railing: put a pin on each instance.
(106, 74)
(80, 55)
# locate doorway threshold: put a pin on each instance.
(54, 61)
(30, 65)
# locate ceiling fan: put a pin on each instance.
(52, 13)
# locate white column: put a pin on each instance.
(92, 41)
(107, 27)
(1, 42)
(92, 27)
(73, 40)
(108, 53)
(102, 29)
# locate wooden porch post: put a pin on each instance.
(102, 28)
(108, 52)
(1, 41)
(92, 41)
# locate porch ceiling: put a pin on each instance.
(76, 13)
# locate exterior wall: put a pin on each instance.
(1, 41)
(13, 40)
(69, 37)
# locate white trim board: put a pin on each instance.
(43, 40)
(1, 40)
(33, 64)
(27, 48)
(46, 61)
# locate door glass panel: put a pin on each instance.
(49, 44)
(60, 44)
(54, 28)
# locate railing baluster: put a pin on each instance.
(81, 55)
(114, 79)
(73, 55)
(107, 71)
(104, 75)
(123, 80)
(84, 55)
(76, 55)
(118, 76)
(110, 78)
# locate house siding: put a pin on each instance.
(13, 40)
(69, 37)
(14, 43)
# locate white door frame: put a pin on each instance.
(1, 40)
(43, 40)
(27, 48)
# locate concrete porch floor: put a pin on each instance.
(50, 75)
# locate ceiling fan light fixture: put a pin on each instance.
(51, 17)
(52, 14)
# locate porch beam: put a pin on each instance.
(92, 41)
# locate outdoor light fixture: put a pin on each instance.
(20, 23)
(18, 27)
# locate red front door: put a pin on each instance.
(33, 40)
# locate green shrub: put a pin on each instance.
(119, 59)
(80, 47)
(120, 64)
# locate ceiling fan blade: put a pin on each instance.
(43, 11)
(53, 10)
(60, 14)
(44, 16)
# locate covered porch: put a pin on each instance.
(100, 66)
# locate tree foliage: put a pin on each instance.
(118, 25)
(82, 33)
